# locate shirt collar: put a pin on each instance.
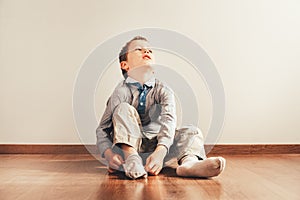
(149, 83)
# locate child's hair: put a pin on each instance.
(124, 51)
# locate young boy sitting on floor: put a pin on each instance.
(140, 120)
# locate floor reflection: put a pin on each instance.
(165, 186)
(117, 186)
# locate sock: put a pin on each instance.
(210, 167)
(134, 167)
(188, 158)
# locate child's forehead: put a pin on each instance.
(138, 43)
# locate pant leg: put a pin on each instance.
(127, 123)
(188, 141)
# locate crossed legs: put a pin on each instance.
(188, 147)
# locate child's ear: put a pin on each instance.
(124, 65)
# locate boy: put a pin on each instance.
(140, 120)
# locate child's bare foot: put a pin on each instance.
(201, 168)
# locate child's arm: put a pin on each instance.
(154, 162)
(168, 118)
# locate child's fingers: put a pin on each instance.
(148, 160)
(157, 170)
(154, 170)
(149, 167)
(148, 164)
(118, 160)
(113, 165)
(110, 170)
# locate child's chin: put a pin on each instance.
(146, 66)
(148, 62)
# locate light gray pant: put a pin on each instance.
(188, 140)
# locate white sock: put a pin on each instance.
(192, 167)
(134, 167)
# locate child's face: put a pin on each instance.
(139, 55)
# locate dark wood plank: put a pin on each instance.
(256, 149)
(46, 149)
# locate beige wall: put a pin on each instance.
(255, 46)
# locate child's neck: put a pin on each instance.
(142, 75)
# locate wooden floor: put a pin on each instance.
(83, 177)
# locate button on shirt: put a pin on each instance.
(155, 104)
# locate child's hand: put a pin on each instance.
(154, 162)
(114, 160)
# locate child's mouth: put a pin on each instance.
(146, 57)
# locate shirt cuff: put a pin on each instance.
(103, 147)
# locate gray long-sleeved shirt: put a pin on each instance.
(159, 118)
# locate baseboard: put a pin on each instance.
(256, 149)
(219, 149)
(46, 149)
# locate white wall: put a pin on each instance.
(255, 46)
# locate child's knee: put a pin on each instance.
(124, 108)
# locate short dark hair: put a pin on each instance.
(124, 51)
